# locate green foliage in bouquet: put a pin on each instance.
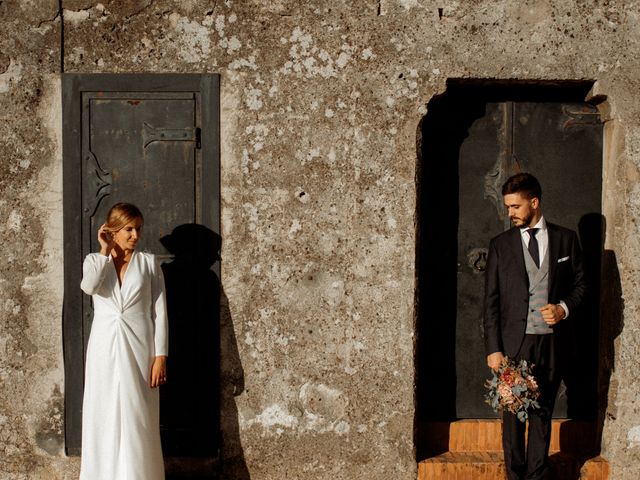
(513, 388)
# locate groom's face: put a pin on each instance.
(521, 210)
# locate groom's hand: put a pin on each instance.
(552, 314)
(494, 360)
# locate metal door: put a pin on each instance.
(561, 144)
(151, 140)
(472, 142)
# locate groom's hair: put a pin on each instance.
(525, 184)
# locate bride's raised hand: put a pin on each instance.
(105, 238)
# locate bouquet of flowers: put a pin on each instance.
(513, 388)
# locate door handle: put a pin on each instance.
(477, 259)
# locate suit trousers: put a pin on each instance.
(533, 463)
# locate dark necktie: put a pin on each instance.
(533, 246)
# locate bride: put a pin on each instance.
(126, 354)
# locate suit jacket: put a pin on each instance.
(507, 286)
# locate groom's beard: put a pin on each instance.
(522, 222)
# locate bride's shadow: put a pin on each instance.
(204, 366)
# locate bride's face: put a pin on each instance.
(127, 237)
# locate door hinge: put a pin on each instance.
(151, 134)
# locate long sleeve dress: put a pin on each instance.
(121, 429)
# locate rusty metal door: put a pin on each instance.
(486, 136)
(151, 140)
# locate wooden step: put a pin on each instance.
(475, 436)
(490, 466)
(462, 465)
(595, 468)
(472, 449)
(485, 435)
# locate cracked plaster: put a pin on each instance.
(320, 106)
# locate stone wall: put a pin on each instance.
(321, 102)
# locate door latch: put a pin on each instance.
(151, 134)
(477, 259)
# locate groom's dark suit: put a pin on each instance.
(505, 322)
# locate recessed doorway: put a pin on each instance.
(472, 139)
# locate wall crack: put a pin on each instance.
(49, 20)
(139, 11)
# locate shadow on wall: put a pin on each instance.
(439, 251)
(581, 375)
(448, 121)
(610, 309)
(198, 416)
(596, 327)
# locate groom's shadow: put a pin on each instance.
(195, 415)
(596, 326)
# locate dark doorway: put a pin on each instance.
(473, 138)
(152, 140)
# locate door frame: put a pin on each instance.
(431, 435)
(73, 87)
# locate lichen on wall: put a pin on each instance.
(320, 106)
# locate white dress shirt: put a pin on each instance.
(542, 236)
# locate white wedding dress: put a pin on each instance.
(120, 416)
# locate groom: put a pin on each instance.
(534, 281)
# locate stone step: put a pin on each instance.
(490, 466)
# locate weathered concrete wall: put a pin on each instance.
(31, 374)
(320, 105)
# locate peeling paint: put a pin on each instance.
(50, 431)
(633, 436)
(253, 101)
(11, 76)
(74, 17)
(274, 415)
(194, 36)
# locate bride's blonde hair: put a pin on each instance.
(121, 214)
